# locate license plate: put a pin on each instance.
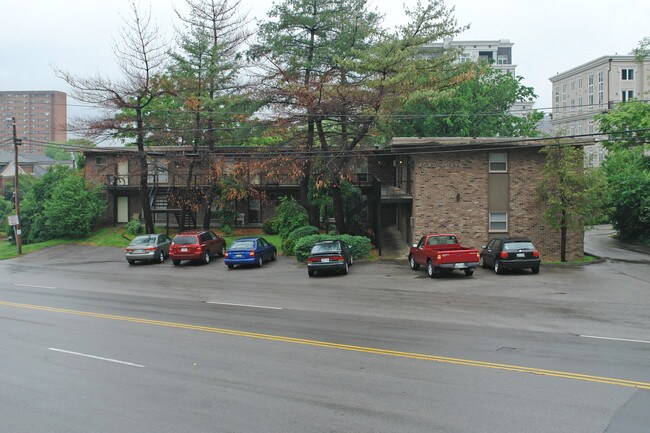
(521, 255)
(238, 256)
(324, 260)
(183, 250)
(459, 265)
(139, 251)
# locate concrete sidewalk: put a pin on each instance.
(600, 242)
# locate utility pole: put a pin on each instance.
(17, 230)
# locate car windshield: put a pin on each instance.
(243, 245)
(143, 240)
(326, 248)
(517, 246)
(183, 240)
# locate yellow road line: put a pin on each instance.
(316, 343)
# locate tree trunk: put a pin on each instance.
(563, 236)
(144, 174)
(337, 205)
(312, 211)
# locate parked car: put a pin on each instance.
(328, 256)
(510, 253)
(250, 251)
(152, 247)
(197, 245)
(442, 252)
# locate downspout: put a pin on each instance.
(609, 70)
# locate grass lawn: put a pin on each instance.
(114, 237)
(584, 261)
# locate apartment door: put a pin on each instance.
(122, 209)
(123, 173)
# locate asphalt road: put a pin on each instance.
(91, 344)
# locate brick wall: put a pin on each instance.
(450, 196)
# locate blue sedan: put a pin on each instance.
(250, 251)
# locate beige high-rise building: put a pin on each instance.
(596, 87)
(41, 118)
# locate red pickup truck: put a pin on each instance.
(442, 253)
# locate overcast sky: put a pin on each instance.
(549, 36)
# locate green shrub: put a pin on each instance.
(268, 227)
(290, 242)
(289, 215)
(134, 227)
(226, 230)
(360, 245)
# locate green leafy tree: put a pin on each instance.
(570, 194)
(627, 167)
(479, 105)
(72, 208)
(330, 68)
(6, 209)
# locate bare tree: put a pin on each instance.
(140, 55)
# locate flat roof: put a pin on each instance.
(423, 144)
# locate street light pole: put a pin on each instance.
(16, 190)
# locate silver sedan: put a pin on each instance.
(152, 248)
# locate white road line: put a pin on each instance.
(615, 339)
(31, 285)
(244, 305)
(96, 357)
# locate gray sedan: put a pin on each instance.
(152, 248)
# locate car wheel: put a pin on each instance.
(412, 263)
(231, 266)
(481, 262)
(346, 269)
(535, 269)
(161, 256)
(131, 262)
(206, 257)
(431, 271)
(274, 256)
(497, 267)
(176, 262)
(469, 272)
(260, 262)
(310, 272)
(222, 252)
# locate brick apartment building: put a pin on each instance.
(41, 117)
(476, 188)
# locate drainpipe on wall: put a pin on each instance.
(609, 71)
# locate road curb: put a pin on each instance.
(598, 261)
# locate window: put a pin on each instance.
(590, 127)
(573, 104)
(498, 163)
(580, 103)
(502, 60)
(557, 99)
(573, 85)
(590, 91)
(627, 74)
(465, 58)
(579, 83)
(100, 160)
(498, 222)
(564, 97)
(626, 95)
(601, 87)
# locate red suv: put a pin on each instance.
(197, 245)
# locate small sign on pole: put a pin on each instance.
(13, 220)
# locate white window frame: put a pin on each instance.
(580, 101)
(590, 91)
(627, 74)
(601, 88)
(626, 95)
(498, 218)
(497, 158)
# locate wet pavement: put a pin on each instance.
(601, 242)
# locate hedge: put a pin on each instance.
(290, 242)
(360, 245)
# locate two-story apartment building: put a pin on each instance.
(477, 188)
(596, 87)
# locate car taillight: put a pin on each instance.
(503, 255)
(439, 256)
(337, 259)
(150, 249)
(252, 253)
(129, 250)
(313, 259)
(535, 253)
(478, 255)
(226, 254)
